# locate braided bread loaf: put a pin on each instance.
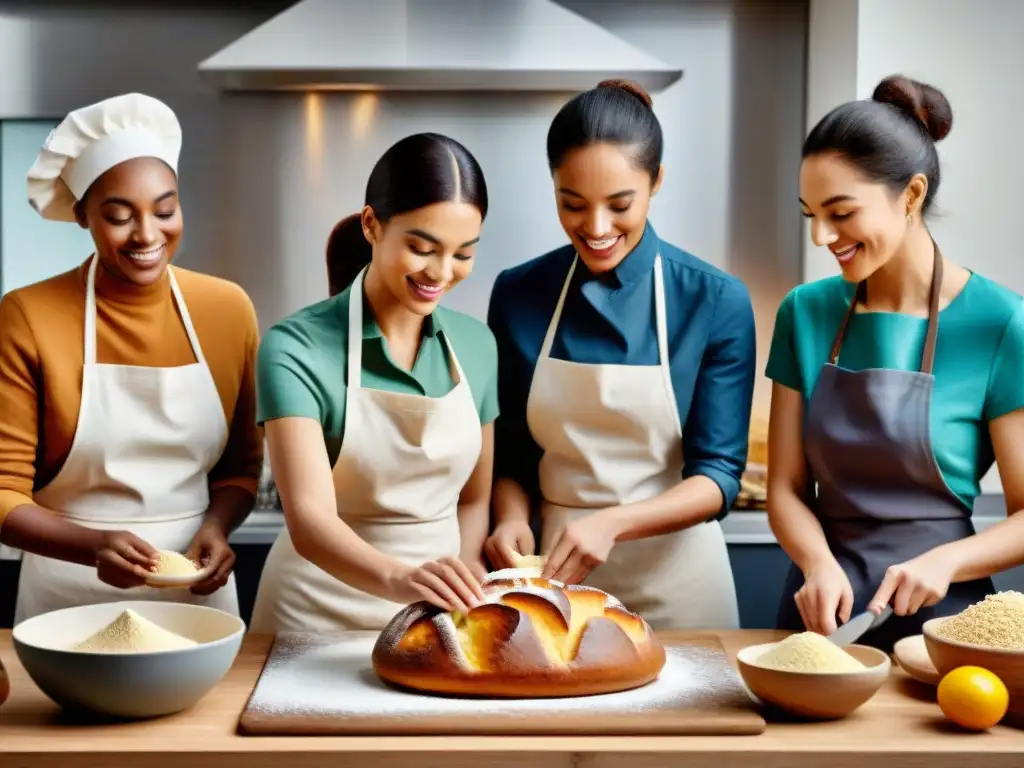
(530, 638)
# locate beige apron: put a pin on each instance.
(611, 435)
(145, 441)
(403, 463)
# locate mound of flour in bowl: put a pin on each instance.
(174, 564)
(809, 652)
(131, 633)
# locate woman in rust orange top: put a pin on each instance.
(127, 403)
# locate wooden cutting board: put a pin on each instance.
(322, 685)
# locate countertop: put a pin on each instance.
(901, 727)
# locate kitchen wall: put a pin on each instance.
(264, 177)
(31, 248)
(970, 50)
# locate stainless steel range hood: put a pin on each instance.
(431, 45)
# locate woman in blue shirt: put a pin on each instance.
(896, 384)
(620, 356)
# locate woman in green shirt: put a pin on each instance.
(378, 407)
(896, 386)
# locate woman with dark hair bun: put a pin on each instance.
(378, 407)
(896, 386)
(627, 372)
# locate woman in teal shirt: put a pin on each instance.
(896, 385)
(378, 406)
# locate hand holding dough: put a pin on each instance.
(530, 561)
(527, 566)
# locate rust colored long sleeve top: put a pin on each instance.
(41, 358)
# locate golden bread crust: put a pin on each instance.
(530, 638)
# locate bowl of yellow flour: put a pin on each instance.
(988, 634)
(808, 675)
(133, 659)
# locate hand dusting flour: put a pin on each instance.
(309, 675)
(131, 633)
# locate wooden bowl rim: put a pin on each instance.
(880, 669)
(930, 631)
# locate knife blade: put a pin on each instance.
(852, 630)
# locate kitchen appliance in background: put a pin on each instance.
(754, 483)
(432, 45)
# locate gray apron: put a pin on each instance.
(881, 498)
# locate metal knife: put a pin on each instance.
(852, 630)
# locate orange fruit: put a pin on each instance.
(973, 698)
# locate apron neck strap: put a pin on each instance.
(354, 375)
(931, 335)
(89, 353)
(660, 315)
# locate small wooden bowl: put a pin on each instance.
(912, 655)
(1007, 665)
(815, 695)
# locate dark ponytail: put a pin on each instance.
(348, 251)
(417, 171)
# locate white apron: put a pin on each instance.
(611, 435)
(403, 463)
(145, 441)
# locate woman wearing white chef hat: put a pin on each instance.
(127, 386)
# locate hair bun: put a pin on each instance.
(921, 102)
(629, 87)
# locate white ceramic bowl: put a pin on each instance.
(128, 685)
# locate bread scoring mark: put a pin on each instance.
(451, 641)
(558, 632)
(395, 630)
(610, 601)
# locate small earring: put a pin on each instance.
(910, 219)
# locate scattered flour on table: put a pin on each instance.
(809, 652)
(996, 622)
(308, 675)
(174, 564)
(131, 633)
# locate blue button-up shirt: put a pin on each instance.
(609, 319)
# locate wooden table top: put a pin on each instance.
(901, 727)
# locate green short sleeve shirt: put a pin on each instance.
(979, 361)
(302, 366)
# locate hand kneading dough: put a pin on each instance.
(530, 638)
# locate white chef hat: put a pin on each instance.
(92, 140)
